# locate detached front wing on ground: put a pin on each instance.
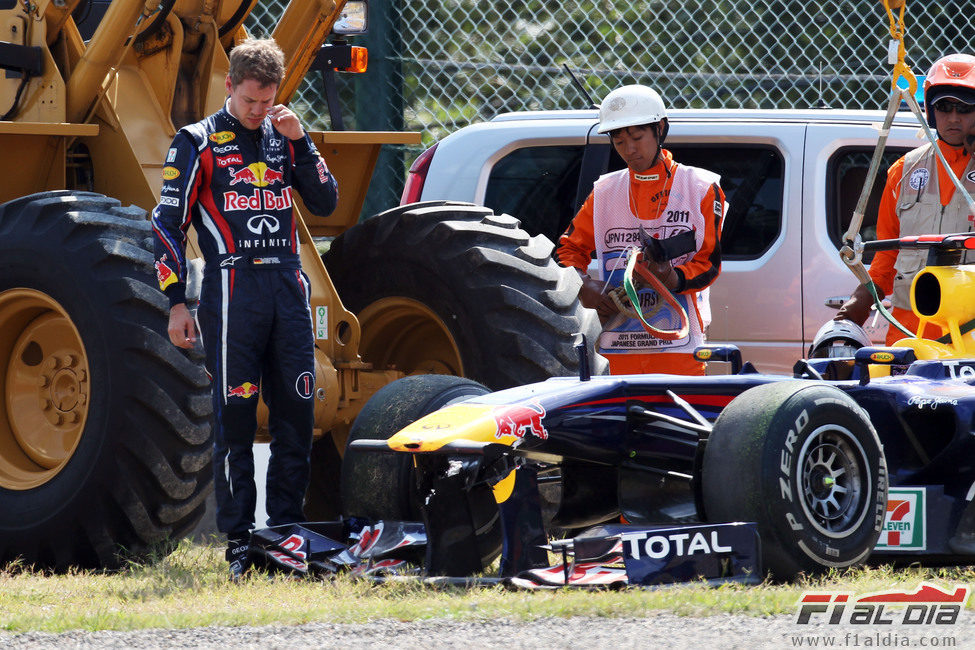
(602, 556)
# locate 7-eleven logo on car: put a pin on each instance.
(904, 528)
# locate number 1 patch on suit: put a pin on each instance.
(305, 384)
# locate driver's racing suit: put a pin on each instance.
(234, 186)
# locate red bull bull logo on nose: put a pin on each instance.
(245, 390)
(520, 420)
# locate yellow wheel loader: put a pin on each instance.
(105, 427)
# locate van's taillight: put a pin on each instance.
(416, 177)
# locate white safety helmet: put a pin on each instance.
(838, 338)
(630, 106)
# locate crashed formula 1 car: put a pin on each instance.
(721, 477)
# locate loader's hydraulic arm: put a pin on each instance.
(104, 52)
(300, 32)
(99, 116)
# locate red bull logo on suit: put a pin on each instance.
(164, 274)
(258, 200)
(245, 390)
(257, 174)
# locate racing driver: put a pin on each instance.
(231, 177)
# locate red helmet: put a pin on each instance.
(951, 77)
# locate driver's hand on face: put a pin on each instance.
(286, 122)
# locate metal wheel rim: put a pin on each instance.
(835, 481)
(404, 334)
(45, 379)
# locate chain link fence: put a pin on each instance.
(439, 65)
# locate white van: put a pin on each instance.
(792, 180)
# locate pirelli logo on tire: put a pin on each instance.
(785, 459)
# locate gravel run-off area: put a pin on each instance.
(663, 630)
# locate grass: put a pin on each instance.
(189, 589)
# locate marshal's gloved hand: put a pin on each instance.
(658, 253)
(857, 308)
(663, 272)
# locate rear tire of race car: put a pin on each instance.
(105, 434)
(382, 486)
(456, 289)
(801, 460)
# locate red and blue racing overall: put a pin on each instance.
(234, 186)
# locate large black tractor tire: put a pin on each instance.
(802, 460)
(105, 434)
(447, 288)
(382, 486)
